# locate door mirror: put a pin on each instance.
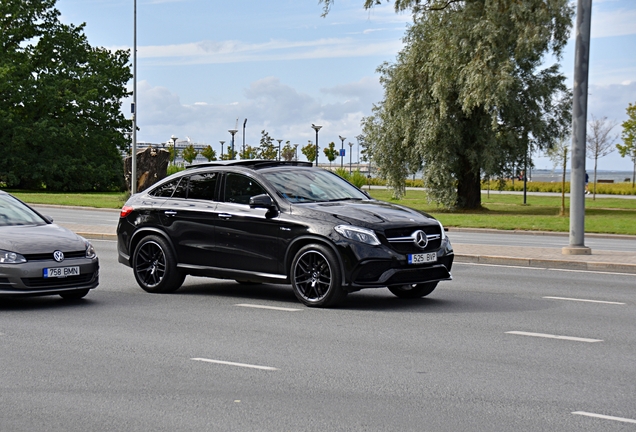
(262, 201)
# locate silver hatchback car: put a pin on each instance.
(39, 258)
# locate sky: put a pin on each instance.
(205, 66)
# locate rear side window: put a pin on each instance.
(166, 190)
(239, 189)
(181, 191)
(202, 186)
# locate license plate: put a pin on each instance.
(61, 272)
(423, 258)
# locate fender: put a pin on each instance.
(306, 239)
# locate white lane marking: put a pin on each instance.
(542, 268)
(235, 364)
(583, 300)
(605, 417)
(549, 336)
(267, 307)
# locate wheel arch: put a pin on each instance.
(144, 232)
(300, 242)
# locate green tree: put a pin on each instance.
(249, 153)
(331, 152)
(468, 95)
(628, 149)
(61, 123)
(190, 153)
(174, 152)
(209, 153)
(267, 150)
(309, 151)
(229, 154)
(288, 152)
(558, 154)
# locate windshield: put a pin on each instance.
(311, 185)
(13, 212)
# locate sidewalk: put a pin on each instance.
(600, 260)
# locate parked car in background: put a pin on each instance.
(281, 222)
(38, 257)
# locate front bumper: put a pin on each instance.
(27, 279)
(384, 267)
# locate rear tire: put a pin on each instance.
(412, 291)
(316, 277)
(155, 266)
(74, 295)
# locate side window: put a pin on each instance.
(181, 191)
(202, 186)
(165, 190)
(239, 189)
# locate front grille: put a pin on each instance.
(49, 256)
(69, 281)
(5, 283)
(399, 239)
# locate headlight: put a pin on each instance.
(442, 228)
(362, 235)
(7, 257)
(90, 250)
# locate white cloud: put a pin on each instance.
(619, 22)
(268, 104)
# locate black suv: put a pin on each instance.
(283, 222)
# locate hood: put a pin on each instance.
(376, 213)
(35, 239)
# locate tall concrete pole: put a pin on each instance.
(133, 160)
(579, 122)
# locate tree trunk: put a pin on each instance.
(595, 164)
(468, 188)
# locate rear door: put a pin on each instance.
(189, 218)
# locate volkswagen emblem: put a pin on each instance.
(58, 256)
(420, 239)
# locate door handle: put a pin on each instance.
(170, 213)
(224, 216)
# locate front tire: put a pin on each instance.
(316, 276)
(412, 291)
(155, 266)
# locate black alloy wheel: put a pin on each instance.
(316, 277)
(75, 294)
(412, 291)
(155, 266)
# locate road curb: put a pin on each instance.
(537, 233)
(97, 236)
(546, 263)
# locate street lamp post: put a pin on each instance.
(233, 132)
(296, 148)
(279, 141)
(316, 128)
(174, 148)
(133, 161)
(222, 142)
(342, 139)
(350, 155)
(244, 123)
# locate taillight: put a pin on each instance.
(125, 211)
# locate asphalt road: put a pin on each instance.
(487, 351)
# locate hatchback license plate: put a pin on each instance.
(423, 258)
(61, 272)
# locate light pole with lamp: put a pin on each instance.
(244, 123)
(296, 148)
(342, 139)
(222, 142)
(133, 161)
(233, 132)
(174, 148)
(316, 128)
(279, 141)
(350, 155)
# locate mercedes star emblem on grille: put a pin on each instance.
(420, 239)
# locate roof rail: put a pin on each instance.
(250, 163)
